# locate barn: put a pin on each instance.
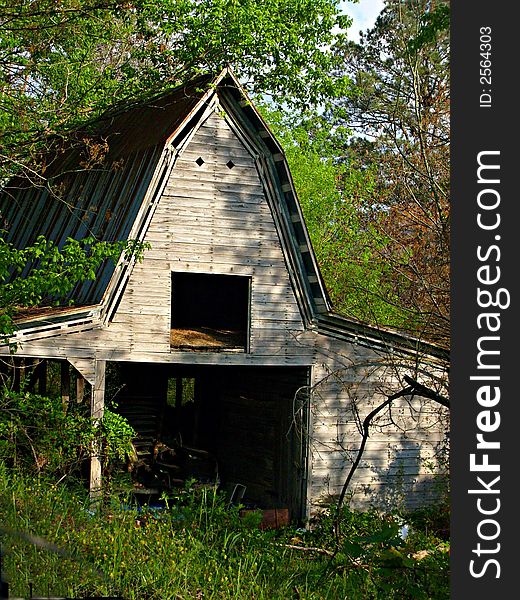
(222, 336)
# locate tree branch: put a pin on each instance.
(414, 388)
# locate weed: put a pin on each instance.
(197, 546)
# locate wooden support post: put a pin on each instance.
(33, 378)
(97, 406)
(22, 371)
(65, 385)
(80, 388)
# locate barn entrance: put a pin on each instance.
(239, 426)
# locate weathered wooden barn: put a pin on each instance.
(223, 334)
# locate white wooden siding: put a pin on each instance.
(397, 462)
(212, 219)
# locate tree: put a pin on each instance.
(63, 62)
(399, 109)
(334, 195)
(50, 273)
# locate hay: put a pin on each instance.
(205, 338)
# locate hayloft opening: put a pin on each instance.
(209, 312)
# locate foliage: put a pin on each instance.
(399, 106)
(64, 62)
(198, 546)
(336, 197)
(43, 436)
(372, 173)
(44, 274)
(397, 549)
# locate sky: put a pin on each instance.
(364, 14)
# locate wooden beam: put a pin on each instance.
(42, 378)
(97, 407)
(16, 369)
(65, 384)
(85, 366)
(80, 388)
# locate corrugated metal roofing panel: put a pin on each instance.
(87, 206)
(102, 200)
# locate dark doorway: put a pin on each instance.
(240, 425)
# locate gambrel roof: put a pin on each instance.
(110, 182)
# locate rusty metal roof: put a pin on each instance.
(97, 184)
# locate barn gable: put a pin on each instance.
(116, 200)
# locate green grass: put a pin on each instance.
(199, 548)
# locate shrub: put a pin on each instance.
(40, 435)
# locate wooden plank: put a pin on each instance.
(226, 192)
(271, 282)
(205, 201)
(209, 230)
(271, 304)
(210, 225)
(167, 356)
(263, 313)
(277, 337)
(51, 334)
(206, 141)
(212, 134)
(65, 384)
(228, 167)
(239, 176)
(367, 471)
(152, 322)
(222, 263)
(86, 368)
(220, 254)
(289, 323)
(174, 217)
(80, 388)
(242, 246)
(160, 293)
(203, 196)
(219, 158)
(217, 161)
(97, 407)
(276, 296)
(36, 349)
(137, 309)
(215, 236)
(139, 331)
(154, 277)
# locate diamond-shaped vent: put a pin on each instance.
(230, 164)
(200, 161)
